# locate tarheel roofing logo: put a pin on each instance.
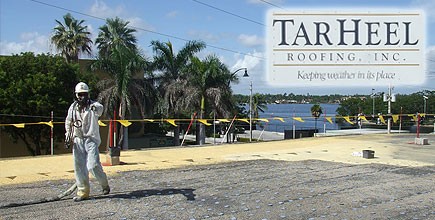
(324, 48)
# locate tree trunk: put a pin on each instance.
(125, 139)
(22, 136)
(177, 136)
(200, 134)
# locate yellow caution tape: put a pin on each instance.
(101, 123)
(242, 119)
(19, 125)
(382, 119)
(363, 118)
(171, 121)
(395, 118)
(277, 118)
(204, 121)
(298, 119)
(263, 119)
(223, 120)
(124, 123)
(348, 120)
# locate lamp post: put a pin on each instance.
(250, 112)
(390, 97)
(250, 101)
(424, 107)
(373, 98)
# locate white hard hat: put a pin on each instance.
(81, 87)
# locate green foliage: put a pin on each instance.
(293, 98)
(173, 79)
(316, 111)
(258, 104)
(207, 88)
(114, 35)
(34, 86)
(71, 38)
(119, 57)
(353, 106)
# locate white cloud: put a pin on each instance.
(100, 9)
(255, 68)
(204, 35)
(250, 40)
(30, 42)
(172, 14)
(251, 61)
(137, 22)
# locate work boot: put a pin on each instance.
(106, 190)
(82, 194)
(79, 198)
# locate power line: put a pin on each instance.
(66, 9)
(146, 30)
(230, 13)
(269, 3)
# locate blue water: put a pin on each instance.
(288, 111)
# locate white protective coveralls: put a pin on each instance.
(85, 148)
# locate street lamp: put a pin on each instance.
(390, 97)
(425, 98)
(250, 101)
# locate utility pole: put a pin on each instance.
(250, 112)
(51, 135)
(389, 109)
(389, 98)
(424, 105)
(373, 98)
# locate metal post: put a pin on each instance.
(373, 98)
(294, 127)
(51, 135)
(389, 109)
(400, 125)
(250, 102)
(250, 112)
(424, 107)
(418, 125)
(214, 128)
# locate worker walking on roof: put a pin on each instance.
(83, 133)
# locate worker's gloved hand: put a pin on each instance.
(93, 108)
(97, 108)
(68, 142)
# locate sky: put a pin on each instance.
(233, 30)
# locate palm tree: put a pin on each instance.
(258, 105)
(316, 111)
(121, 60)
(172, 80)
(208, 84)
(115, 33)
(71, 38)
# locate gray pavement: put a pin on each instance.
(259, 189)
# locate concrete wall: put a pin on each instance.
(10, 149)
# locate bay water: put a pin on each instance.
(288, 111)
